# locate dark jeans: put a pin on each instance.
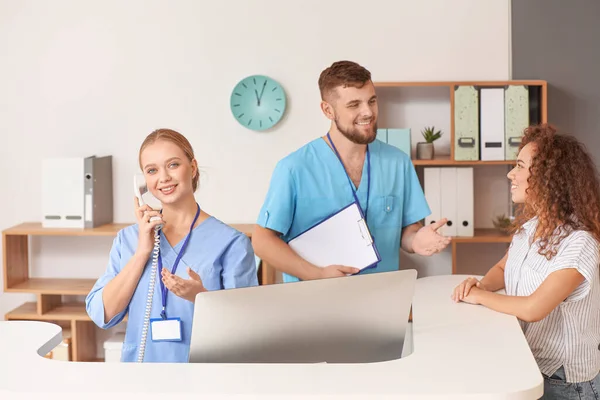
(557, 388)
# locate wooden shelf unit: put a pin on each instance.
(49, 305)
(480, 235)
(449, 160)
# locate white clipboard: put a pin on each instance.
(340, 239)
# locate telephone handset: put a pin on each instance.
(140, 188)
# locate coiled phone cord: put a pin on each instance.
(153, 274)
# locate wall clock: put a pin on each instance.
(258, 102)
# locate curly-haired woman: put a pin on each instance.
(551, 270)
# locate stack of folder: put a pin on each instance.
(449, 193)
(489, 121)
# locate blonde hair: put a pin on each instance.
(174, 137)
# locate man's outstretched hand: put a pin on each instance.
(428, 241)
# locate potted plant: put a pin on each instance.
(503, 224)
(425, 149)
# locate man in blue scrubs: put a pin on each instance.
(313, 183)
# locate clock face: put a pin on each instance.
(258, 102)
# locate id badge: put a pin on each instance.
(165, 330)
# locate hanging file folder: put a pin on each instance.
(341, 239)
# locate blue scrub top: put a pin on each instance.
(222, 256)
(310, 184)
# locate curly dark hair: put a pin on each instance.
(563, 186)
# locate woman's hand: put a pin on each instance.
(462, 291)
(146, 227)
(473, 296)
(185, 288)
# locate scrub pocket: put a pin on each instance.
(389, 212)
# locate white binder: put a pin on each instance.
(77, 192)
(341, 239)
(448, 199)
(449, 193)
(464, 202)
(492, 123)
(432, 189)
(62, 192)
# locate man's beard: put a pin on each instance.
(355, 136)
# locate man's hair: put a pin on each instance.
(342, 73)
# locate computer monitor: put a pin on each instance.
(355, 319)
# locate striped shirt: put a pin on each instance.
(570, 335)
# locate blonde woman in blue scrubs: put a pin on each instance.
(197, 253)
(551, 270)
(346, 165)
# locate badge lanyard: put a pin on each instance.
(164, 290)
(350, 182)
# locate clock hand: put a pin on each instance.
(257, 98)
(261, 92)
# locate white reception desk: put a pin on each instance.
(460, 351)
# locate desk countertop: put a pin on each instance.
(460, 351)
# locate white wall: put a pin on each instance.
(80, 78)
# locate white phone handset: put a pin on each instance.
(140, 188)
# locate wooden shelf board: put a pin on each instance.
(65, 312)
(36, 228)
(460, 83)
(484, 235)
(75, 287)
(445, 160)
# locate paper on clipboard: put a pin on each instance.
(341, 239)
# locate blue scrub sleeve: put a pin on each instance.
(415, 205)
(239, 264)
(94, 304)
(278, 209)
